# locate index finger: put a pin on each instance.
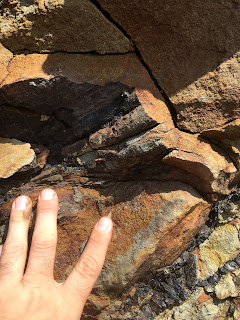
(83, 277)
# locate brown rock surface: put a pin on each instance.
(113, 145)
(81, 68)
(228, 137)
(211, 100)
(83, 100)
(183, 44)
(5, 58)
(59, 26)
(186, 157)
(146, 216)
(14, 156)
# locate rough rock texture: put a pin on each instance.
(226, 288)
(59, 99)
(81, 68)
(59, 26)
(222, 245)
(14, 156)
(185, 44)
(185, 157)
(108, 138)
(228, 136)
(5, 58)
(177, 291)
(211, 100)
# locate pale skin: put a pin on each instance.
(31, 292)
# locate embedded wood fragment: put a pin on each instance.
(150, 113)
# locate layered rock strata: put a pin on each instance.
(137, 119)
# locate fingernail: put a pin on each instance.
(46, 194)
(104, 223)
(0, 250)
(20, 203)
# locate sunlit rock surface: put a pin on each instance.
(14, 156)
(131, 109)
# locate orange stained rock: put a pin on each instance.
(203, 297)
(5, 58)
(81, 68)
(14, 155)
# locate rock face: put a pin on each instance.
(59, 26)
(229, 138)
(185, 46)
(82, 111)
(211, 100)
(15, 155)
(5, 57)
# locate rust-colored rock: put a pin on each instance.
(202, 159)
(81, 68)
(69, 101)
(145, 215)
(77, 149)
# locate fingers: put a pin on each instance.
(83, 277)
(43, 248)
(14, 250)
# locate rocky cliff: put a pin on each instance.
(130, 108)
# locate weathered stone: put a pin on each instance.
(188, 158)
(146, 216)
(202, 159)
(15, 155)
(66, 88)
(59, 26)
(81, 68)
(150, 113)
(77, 149)
(184, 45)
(226, 288)
(199, 306)
(222, 245)
(28, 126)
(164, 220)
(211, 100)
(228, 136)
(5, 58)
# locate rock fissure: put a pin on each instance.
(139, 55)
(130, 109)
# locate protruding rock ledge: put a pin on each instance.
(149, 114)
(15, 155)
(228, 137)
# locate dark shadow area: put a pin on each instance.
(58, 112)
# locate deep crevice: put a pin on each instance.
(92, 52)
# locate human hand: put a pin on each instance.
(33, 293)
